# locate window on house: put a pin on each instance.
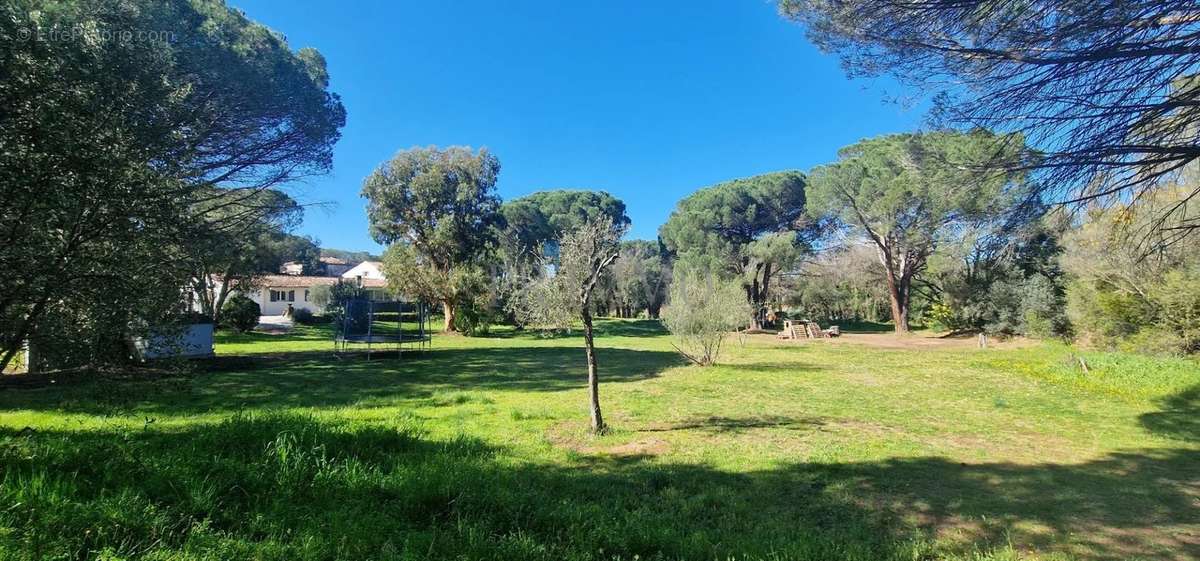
(306, 295)
(274, 296)
(291, 296)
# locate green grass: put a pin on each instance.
(478, 449)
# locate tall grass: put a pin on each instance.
(295, 487)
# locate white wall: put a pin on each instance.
(263, 297)
(366, 270)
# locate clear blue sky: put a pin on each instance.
(649, 101)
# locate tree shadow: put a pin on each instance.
(320, 379)
(1179, 417)
(736, 425)
(604, 327)
(288, 486)
(863, 326)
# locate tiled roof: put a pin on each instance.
(304, 281)
(333, 261)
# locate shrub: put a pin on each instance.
(1178, 297)
(475, 316)
(240, 313)
(700, 311)
(941, 317)
(303, 316)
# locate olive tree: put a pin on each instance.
(564, 297)
(701, 311)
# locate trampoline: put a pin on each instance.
(381, 326)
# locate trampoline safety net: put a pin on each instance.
(380, 326)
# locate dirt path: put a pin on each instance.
(918, 340)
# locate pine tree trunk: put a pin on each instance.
(897, 295)
(593, 381)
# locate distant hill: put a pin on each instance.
(351, 257)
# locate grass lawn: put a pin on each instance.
(478, 450)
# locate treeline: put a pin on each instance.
(943, 229)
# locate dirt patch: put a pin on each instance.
(574, 437)
(912, 341)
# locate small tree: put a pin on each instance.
(241, 313)
(321, 296)
(701, 311)
(558, 300)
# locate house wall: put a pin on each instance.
(262, 296)
(366, 270)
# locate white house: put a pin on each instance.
(367, 270)
(275, 292)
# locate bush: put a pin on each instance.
(1178, 297)
(303, 316)
(1163, 321)
(240, 313)
(475, 317)
(700, 311)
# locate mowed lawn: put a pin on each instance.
(478, 450)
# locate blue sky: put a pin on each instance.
(649, 101)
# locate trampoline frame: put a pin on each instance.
(342, 340)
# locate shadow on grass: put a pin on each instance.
(319, 379)
(1179, 417)
(605, 327)
(863, 326)
(734, 425)
(278, 486)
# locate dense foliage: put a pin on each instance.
(843, 283)
(640, 279)
(241, 313)
(438, 211)
(905, 193)
(122, 122)
(751, 228)
(543, 217)
(1119, 296)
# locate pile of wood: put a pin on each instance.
(806, 330)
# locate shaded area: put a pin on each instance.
(319, 379)
(719, 424)
(865, 326)
(1179, 417)
(605, 327)
(276, 486)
